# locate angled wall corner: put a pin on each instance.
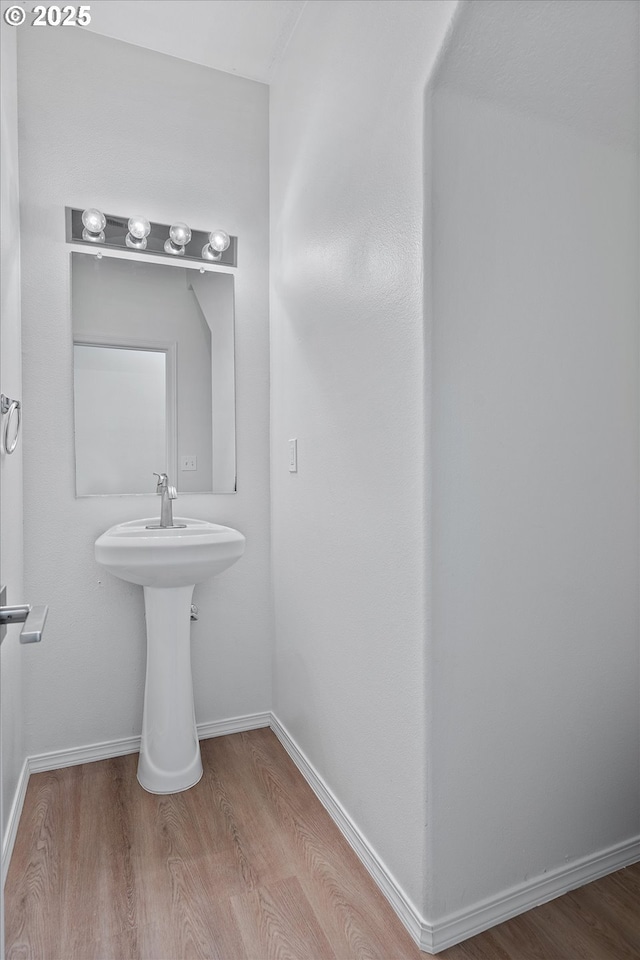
(348, 381)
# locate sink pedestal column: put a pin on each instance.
(170, 751)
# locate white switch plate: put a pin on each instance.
(188, 461)
(293, 456)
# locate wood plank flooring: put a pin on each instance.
(245, 866)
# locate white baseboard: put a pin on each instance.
(525, 896)
(220, 728)
(14, 819)
(383, 877)
(437, 936)
(57, 759)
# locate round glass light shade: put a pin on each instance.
(219, 240)
(139, 227)
(180, 234)
(94, 220)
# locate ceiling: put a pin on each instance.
(245, 37)
(572, 61)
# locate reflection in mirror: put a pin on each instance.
(154, 377)
(121, 416)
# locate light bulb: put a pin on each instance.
(94, 222)
(219, 240)
(139, 227)
(139, 230)
(179, 236)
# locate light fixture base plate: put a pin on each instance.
(115, 237)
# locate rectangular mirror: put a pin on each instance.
(154, 377)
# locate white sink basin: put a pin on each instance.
(167, 563)
(171, 557)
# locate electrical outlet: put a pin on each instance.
(188, 461)
(293, 456)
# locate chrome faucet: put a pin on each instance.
(168, 493)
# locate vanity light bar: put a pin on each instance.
(92, 227)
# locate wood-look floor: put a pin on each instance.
(245, 866)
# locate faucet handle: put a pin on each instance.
(163, 480)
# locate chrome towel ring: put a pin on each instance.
(9, 407)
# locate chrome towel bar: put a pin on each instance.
(8, 408)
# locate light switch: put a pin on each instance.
(188, 461)
(293, 456)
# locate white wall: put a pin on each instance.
(216, 301)
(535, 498)
(11, 385)
(348, 380)
(106, 124)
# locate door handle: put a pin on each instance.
(33, 618)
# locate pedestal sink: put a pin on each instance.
(168, 563)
